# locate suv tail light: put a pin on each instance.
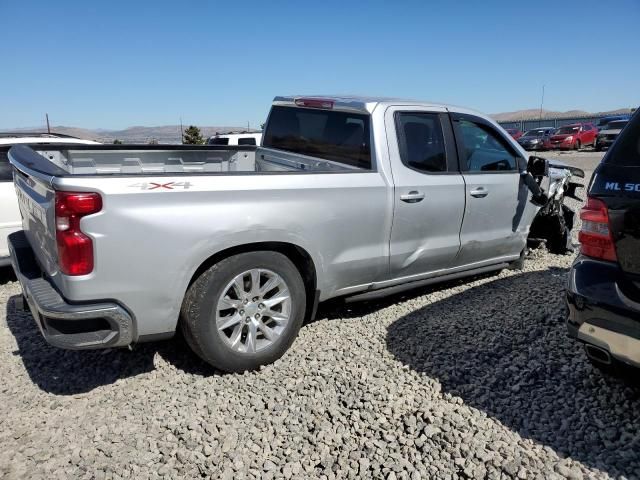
(75, 249)
(595, 235)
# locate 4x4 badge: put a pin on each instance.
(161, 186)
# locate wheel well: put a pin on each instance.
(299, 256)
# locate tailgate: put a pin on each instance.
(36, 200)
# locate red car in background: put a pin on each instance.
(574, 136)
(514, 132)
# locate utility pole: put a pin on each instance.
(48, 127)
(541, 105)
(181, 132)
(248, 127)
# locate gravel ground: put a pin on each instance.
(471, 379)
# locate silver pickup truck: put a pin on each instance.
(236, 246)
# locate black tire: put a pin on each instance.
(198, 314)
(577, 145)
(598, 147)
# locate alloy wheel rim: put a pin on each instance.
(253, 310)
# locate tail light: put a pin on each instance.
(595, 235)
(75, 249)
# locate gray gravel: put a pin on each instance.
(472, 379)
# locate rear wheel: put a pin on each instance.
(244, 311)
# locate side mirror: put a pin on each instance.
(532, 174)
(538, 166)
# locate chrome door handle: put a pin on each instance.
(480, 192)
(412, 197)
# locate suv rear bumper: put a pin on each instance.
(601, 314)
(65, 325)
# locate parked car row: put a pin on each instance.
(250, 238)
(572, 137)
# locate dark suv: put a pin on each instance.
(603, 292)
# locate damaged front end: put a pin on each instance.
(554, 221)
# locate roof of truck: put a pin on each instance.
(368, 103)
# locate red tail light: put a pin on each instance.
(595, 235)
(75, 249)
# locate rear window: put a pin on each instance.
(339, 136)
(247, 141)
(626, 149)
(219, 141)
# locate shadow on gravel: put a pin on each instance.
(7, 275)
(502, 347)
(68, 372)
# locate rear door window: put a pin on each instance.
(421, 141)
(247, 141)
(626, 150)
(219, 141)
(332, 135)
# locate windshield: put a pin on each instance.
(617, 125)
(535, 133)
(567, 130)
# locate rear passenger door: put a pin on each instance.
(428, 191)
(497, 213)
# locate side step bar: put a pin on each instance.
(383, 292)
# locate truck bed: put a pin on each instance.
(118, 160)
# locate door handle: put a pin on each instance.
(480, 192)
(412, 197)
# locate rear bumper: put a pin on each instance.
(63, 324)
(602, 311)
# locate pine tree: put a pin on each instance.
(192, 136)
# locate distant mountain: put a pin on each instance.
(534, 114)
(138, 134)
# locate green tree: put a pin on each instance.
(192, 136)
(117, 142)
(153, 141)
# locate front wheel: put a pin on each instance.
(244, 311)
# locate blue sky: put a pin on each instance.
(121, 63)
